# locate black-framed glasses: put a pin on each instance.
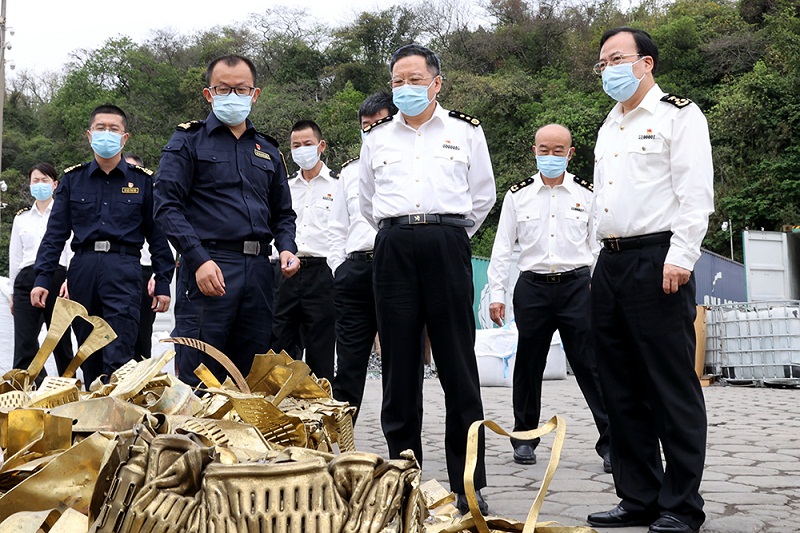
(112, 129)
(224, 90)
(614, 60)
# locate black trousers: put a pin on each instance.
(356, 326)
(645, 343)
(28, 321)
(107, 285)
(304, 310)
(423, 277)
(541, 308)
(237, 323)
(144, 341)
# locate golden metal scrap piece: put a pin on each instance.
(61, 520)
(220, 357)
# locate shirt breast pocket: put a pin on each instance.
(322, 210)
(263, 171)
(386, 169)
(83, 206)
(213, 168)
(644, 157)
(528, 221)
(577, 225)
(127, 208)
(453, 163)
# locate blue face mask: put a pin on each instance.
(619, 82)
(306, 157)
(42, 191)
(552, 166)
(232, 109)
(411, 100)
(106, 144)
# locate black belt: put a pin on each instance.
(106, 247)
(557, 277)
(426, 218)
(361, 256)
(243, 247)
(306, 261)
(630, 243)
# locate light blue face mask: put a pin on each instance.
(552, 166)
(42, 191)
(106, 144)
(306, 157)
(412, 100)
(619, 82)
(231, 109)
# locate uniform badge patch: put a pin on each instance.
(130, 189)
(263, 155)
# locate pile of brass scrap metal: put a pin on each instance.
(272, 451)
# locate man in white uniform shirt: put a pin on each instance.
(653, 195)
(426, 182)
(304, 311)
(351, 239)
(549, 214)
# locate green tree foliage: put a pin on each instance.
(515, 64)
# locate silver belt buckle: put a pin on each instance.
(369, 256)
(417, 218)
(612, 244)
(251, 248)
(554, 278)
(102, 246)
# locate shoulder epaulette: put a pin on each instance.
(348, 162)
(141, 169)
(678, 101)
(466, 118)
(270, 139)
(521, 185)
(332, 173)
(583, 183)
(22, 210)
(74, 167)
(384, 120)
(191, 125)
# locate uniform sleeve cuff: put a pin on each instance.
(498, 296)
(196, 257)
(42, 281)
(161, 289)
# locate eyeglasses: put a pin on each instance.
(112, 129)
(615, 60)
(224, 90)
(399, 82)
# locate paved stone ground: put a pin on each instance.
(751, 481)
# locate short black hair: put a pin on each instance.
(230, 60)
(108, 109)
(45, 168)
(645, 45)
(301, 125)
(136, 159)
(376, 103)
(431, 59)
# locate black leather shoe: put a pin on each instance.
(524, 455)
(607, 462)
(619, 517)
(670, 524)
(463, 507)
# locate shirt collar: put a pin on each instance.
(122, 166)
(439, 113)
(648, 103)
(324, 173)
(569, 182)
(46, 209)
(213, 123)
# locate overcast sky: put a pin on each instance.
(46, 31)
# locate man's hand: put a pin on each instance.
(160, 304)
(290, 264)
(209, 279)
(674, 277)
(11, 304)
(39, 296)
(64, 291)
(151, 287)
(497, 312)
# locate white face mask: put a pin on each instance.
(306, 157)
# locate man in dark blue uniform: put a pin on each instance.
(107, 204)
(221, 197)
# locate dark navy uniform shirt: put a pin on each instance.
(212, 186)
(95, 206)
